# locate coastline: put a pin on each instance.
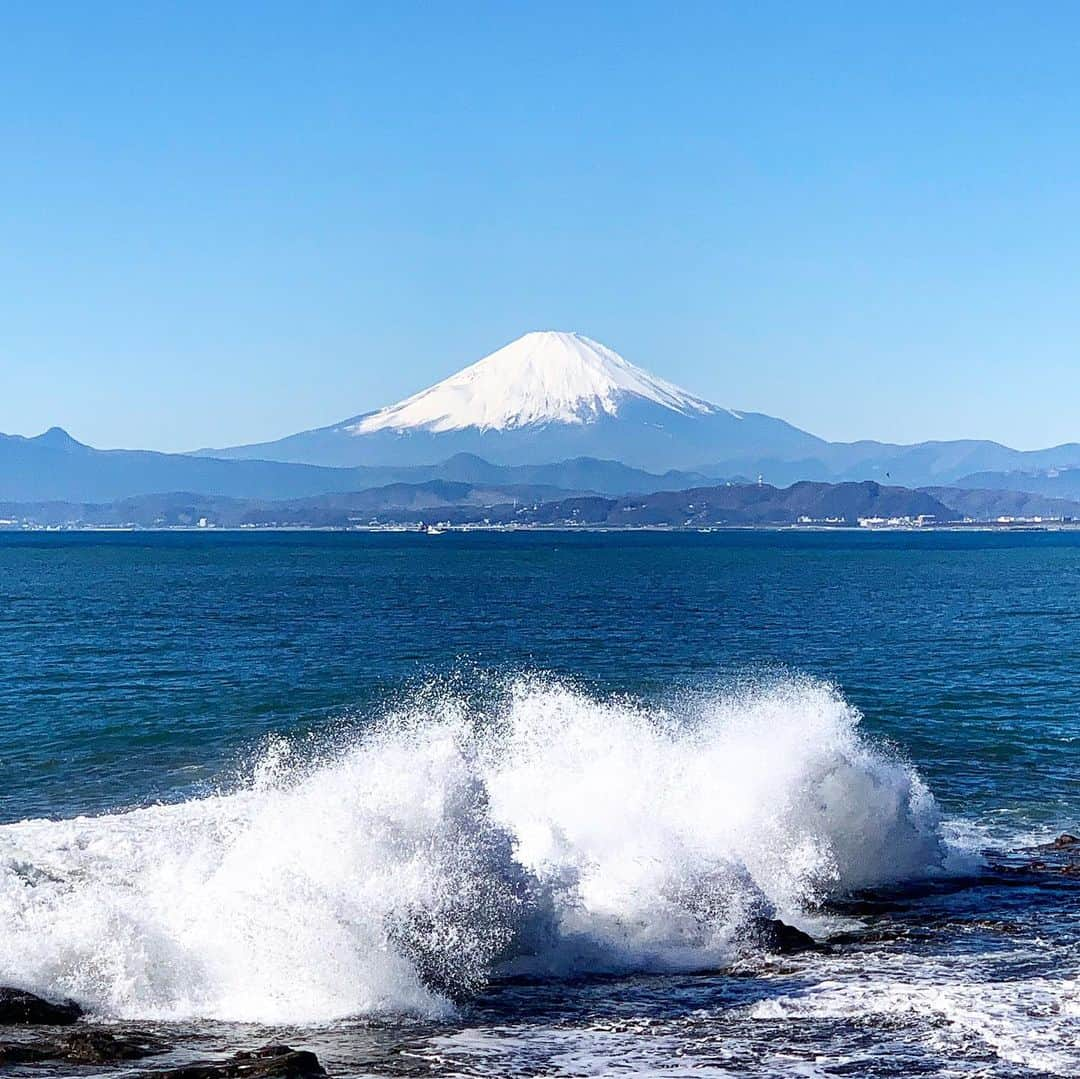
(446, 529)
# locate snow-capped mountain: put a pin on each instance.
(541, 378)
(545, 397)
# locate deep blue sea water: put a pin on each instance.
(512, 799)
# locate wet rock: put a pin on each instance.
(269, 1062)
(19, 1006)
(23, 1053)
(80, 1047)
(1036, 870)
(1065, 841)
(101, 1047)
(880, 935)
(992, 925)
(280, 1060)
(776, 936)
(1060, 856)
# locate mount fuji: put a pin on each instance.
(546, 396)
(550, 410)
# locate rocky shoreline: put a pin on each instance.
(36, 1031)
(32, 1015)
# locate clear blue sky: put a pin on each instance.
(228, 222)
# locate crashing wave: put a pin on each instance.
(548, 833)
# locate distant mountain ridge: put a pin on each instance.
(748, 504)
(55, 467)
(964, 462)
(1053, 482)
(463, 503)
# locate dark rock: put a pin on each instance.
(101, 1047)
(80, 1047)
(269, 1062)
(23, 1053)
(881, 935)
(1038, 869)
(776, 936)
(1062, 842)
(1060, 856)
(19, 1006)
(305, 1062)
(993, 925)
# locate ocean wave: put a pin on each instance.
(543, 832)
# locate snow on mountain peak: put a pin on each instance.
(543, 377)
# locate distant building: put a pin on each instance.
(896, 522)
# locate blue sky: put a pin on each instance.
(227, 222)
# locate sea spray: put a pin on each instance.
(546, 832)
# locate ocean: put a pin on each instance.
(515, 804)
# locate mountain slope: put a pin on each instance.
(1060, 481)
(988, 505)
(746, 504)
(540, 378)
(964, 462)
(544, 397)
(55, 466)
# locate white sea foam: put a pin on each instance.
(547, 832)
(1029, 1022)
